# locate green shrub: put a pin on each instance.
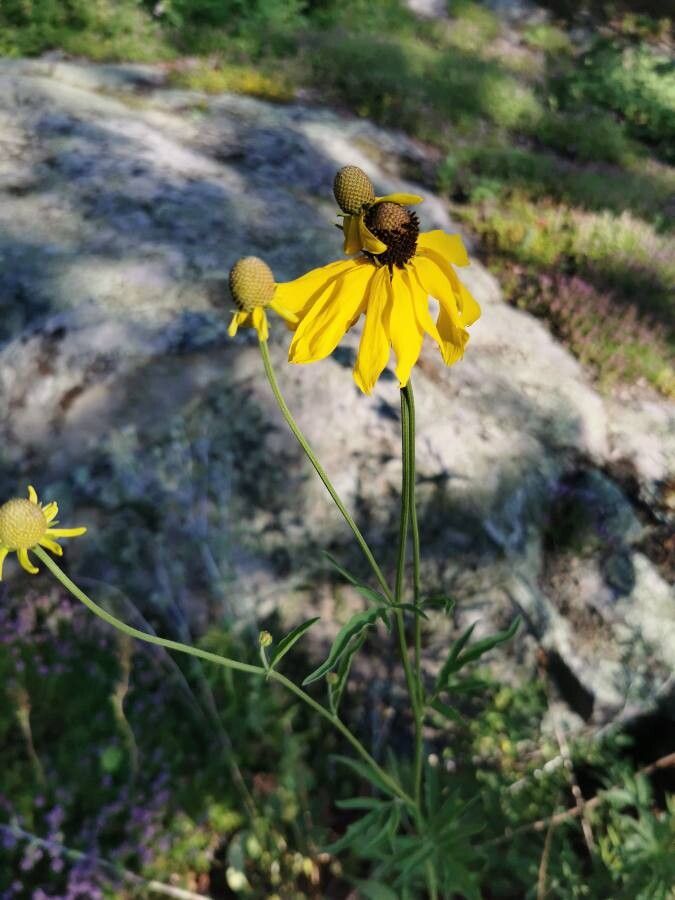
(590, 135)
(636, 82)
(471, 25)
(549, 38)
(379, 78)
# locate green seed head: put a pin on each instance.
(353, 190)
(251, 283)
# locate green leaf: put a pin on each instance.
(414, 860)
(352, 629)
(336, 689)
(480, 647)
(455, 650)
(360, 803)
(363, 589)
(448, 712)
(291, 638)
(345, 574)
(459, 657)
(366, 773)
(410, 607)
(354, 832)
(375, 890)
(447, 604)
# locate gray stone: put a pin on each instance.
(122, 206)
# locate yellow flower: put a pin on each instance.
(25, 524)
(253, 289)
(391, 287)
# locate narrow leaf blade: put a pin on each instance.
(291, 638)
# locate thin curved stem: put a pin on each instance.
(302, 440)
(228, 663)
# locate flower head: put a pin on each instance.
(390, 281)
(25, 524)
(253, 290)
(356, 198)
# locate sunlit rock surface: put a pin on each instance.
(122, 206)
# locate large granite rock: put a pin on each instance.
(122, 205)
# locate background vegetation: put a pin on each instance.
(553, 141)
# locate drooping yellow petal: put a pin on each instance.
(32, 495)
(259, 321)
(238, 319)
(449, 246)
(50, 511)
(49, 544)
(434, 281)
(24, 559)
(374, 346)
(466, 304)
(405, 332)
(367, 240)
(65, 532)
(401, 199)
(332, 314)
(350, 227)
(3, 553)
(448, 332)
(299, 295)
(453, 339)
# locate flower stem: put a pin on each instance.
(228, 663)
(302, 440)
(410, 401)
(407, 503)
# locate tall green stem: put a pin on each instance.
(302, 440)
(228, 663)
(410, 403)
(407, 505)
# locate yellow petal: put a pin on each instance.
(32, 496)
(49, 544)
(50, 511)
(448, 332)
(25, 561)
(3, 553)
(405, 332)
(65, 532)
(289, 317)
(238, 319)
(332, 314)
(435, 282)
(449, 246)
(401, 199)
(453, 339)
(259, 321)
(350, 227)
(367, 240)
(374, 346)
(466, 304)
(299, 295)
